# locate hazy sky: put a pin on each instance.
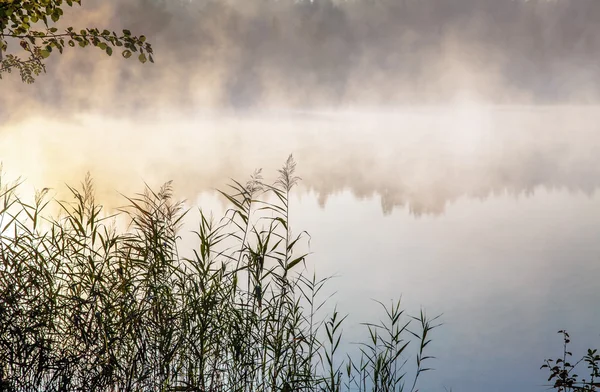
(297, 54)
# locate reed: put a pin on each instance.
(87, 306)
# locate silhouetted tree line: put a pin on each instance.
(309, 53)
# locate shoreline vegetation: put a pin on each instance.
(86, 306)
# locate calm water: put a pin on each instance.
(490, 216)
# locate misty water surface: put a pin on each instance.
(489, 215)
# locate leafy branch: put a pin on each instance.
(17, 18)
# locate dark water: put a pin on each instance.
(490, 216)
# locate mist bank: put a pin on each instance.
(234, 54)
(421, 160)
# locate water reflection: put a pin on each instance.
(506, 274)
(422, 159)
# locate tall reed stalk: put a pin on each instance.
(87, 306)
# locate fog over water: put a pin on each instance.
(449, 150)
(297, 54)
(419, 158)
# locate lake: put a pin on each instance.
(487, 214)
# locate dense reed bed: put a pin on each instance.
(86, 306)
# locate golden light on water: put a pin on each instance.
(421, 156)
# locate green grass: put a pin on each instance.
(87, 306)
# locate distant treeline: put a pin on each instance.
(329, 52)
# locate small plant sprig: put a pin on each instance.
(562, 369)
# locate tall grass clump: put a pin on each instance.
(88, 306)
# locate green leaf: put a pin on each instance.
(109, 50)
(45, 53)
(127, 54)
(142, 58)
(294, 262)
